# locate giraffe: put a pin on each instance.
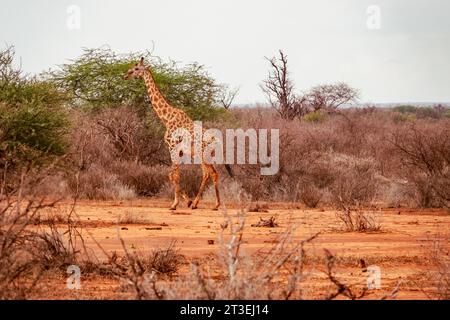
(174, 118)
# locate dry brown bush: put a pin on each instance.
(424, 148)
(439, 253)
(358, 219)
(18, 266)
(27, 252)
(119, 154)
(143, 180)
(354, 180)
(97, 183)
(310, 195)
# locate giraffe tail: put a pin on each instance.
(229, 170)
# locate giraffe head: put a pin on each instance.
(136, 71)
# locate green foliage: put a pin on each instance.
(33, 121)
(405, 109)
(410, 112)
(446, 114)
(95, 80)
(429, 112)
(315, 116)
(402, 117)
(34, 126)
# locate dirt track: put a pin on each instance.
(399, 249)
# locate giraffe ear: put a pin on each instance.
(142, 61)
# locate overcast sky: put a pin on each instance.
(401, 57)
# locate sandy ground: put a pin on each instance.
(399, 249)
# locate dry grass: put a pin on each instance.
(133, 218)
(357, 219)
(439, 253)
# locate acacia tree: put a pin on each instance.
(330, 97)
(33, 122)
(227, 96)
(279, 90)
(95, 80)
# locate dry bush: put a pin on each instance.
(358, 220)
(96, 183)
(26, 252)
(133, 136)
(165, 261)
(117, 154)
(19, 271)
(139, 270)
(320, 161)
(142, 179)
(131, 218)
(397, 193)
(120, 154)
(354, 181)
(424, 148)
(190, 179)
(50, 216)
(439, 253)
(310, 195)
(54, 251)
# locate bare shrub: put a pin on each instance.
(397, 193)
(240, 280)
(354, 181)
(133, 137)
(54, 251)
(358, 220)
(142, 179)
(425, 154)
(310, 195)
(96, 183)
(50, 217)
(165, 261)
(18, 269)
(439, 253)
(132, 218)
(140, 270)
(26, 253)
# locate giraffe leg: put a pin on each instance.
(174, 177)
(186, 198)
(215, 178)
(206, 174)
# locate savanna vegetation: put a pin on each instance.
(81, 129)
(81, 132)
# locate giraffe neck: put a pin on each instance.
(159, 103)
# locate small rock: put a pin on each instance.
(210, 241)
(124, 228)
